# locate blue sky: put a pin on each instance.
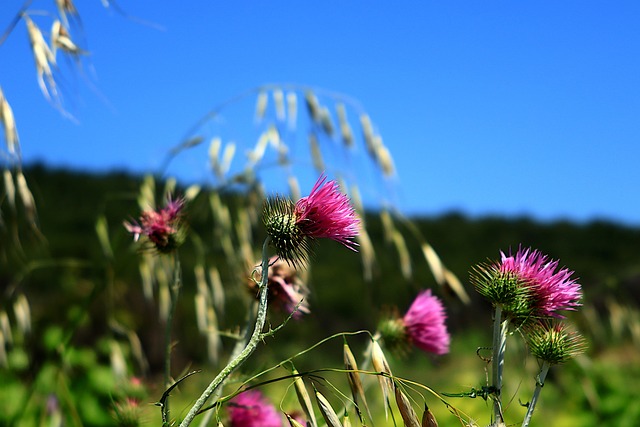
(495, 107)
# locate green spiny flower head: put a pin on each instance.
(554, 342)
(325, 213)
(286, 236)
(528, 286)
(502, 288)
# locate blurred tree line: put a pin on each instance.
(62, 268)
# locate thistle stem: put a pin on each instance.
(174, 292)
(542, 375)
(249, 348)
(500, 328)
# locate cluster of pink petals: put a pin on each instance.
(251, 409)
(552, 290)
(327, 213)
(286, 290)
(425, 324)
(157, 226)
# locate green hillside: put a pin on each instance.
(82, 294)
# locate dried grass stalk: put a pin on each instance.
(217, 290)
(261, 105)
(367, 253)
(9, 188)
(385, 161)
(367, 133)
(353, 376)
(5, 327)
(455, 285)
(214, 342)
(403, 254)
(102, 230)
(345, 129)
(4, 362)
(313, 106)
(326, 121)
(61, 39)
(278, 99)
(381, 366)
(44, 60)
(304, 399)
(118, 364)
(22, 314)
(227, 157)
(28, 202)
(436, 266)
(329, 415)
(9, 125)
(146, 276)
(136, 350)
(66, 7)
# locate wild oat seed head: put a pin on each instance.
(554, 342)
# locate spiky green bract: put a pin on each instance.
(290, 242)
(394, 334)
(504, 289)
(554, 342)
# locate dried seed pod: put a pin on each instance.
(409, 416)
(428, 419)
(329, 415)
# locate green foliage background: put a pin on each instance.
(72, 286)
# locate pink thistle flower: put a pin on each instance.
(161, 227)
(550, 289)
(425, 326)
(285, 289)
(251, 409)
(324, 213)
(327, 213)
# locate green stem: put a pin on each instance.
(544, 370)
(249, 348)
(500, 328)
(174, 292)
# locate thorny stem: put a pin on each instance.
(536, 394)
(249, 348)
(174, 291)
(237, 348)
(500, 328)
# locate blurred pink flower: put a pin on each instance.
(160, 227)
(251, 409)
(327, 213)
(286, 290)
(425, 326)
(550, 290)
